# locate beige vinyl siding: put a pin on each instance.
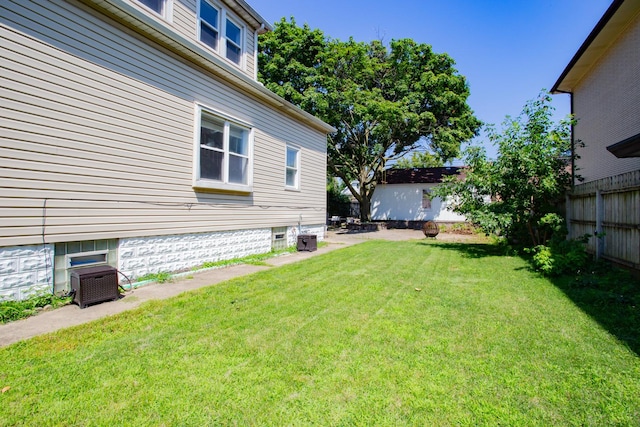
(184, 18)
(97, 137)
(184, 21)
(607, 107)
(250, 54)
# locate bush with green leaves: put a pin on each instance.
(15, 310)
(517, 194)
(561, 256)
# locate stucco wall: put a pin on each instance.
(404, 202)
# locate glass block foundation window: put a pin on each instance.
(279, 238)
(73, 255)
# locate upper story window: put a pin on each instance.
(293, 168)
(209, 24)
(220, 33)
(161, 7)
(224, 154)
(234, 42)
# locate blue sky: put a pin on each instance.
(508, 50)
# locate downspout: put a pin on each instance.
(256, 50)
(573, 143)
(568, 206)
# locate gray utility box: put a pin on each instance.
(307, 242)
(94, 284)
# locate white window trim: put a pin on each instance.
(167, 9)
(224, 185)
(243, 36)
(296, 186)
(199, 26)
(222, 34)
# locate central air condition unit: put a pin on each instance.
(94, 284)
(307, 242)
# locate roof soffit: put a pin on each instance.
(611, 26)
(248, 14)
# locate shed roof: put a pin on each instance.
(419, 175)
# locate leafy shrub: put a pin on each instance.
(561, 256)
(15, 310)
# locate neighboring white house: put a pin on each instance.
(134, 133)
(603, 80)
(403, 195)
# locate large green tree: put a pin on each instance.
(518, 193)
(419, 160)
(383, 100)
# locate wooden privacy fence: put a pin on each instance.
(608, 208)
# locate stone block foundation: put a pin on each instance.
(29, 270)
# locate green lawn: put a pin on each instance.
(382, 333)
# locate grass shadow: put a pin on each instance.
(468, 250)
(610, 296)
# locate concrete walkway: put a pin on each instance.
(71, 315)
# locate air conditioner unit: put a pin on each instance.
(307, 242)
(94, 284)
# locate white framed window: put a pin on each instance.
(233, 35)
(161, 7)
(221, 32)
(224, 153)
(426, 200)
(292, 168)
(209, 18)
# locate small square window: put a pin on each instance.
(292, 167)
(426, 200)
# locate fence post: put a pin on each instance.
(598, 232)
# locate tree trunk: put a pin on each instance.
(365, 208)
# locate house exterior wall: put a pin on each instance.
(98, 136)
(183, 18)
(404, 202)
(606, 104)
